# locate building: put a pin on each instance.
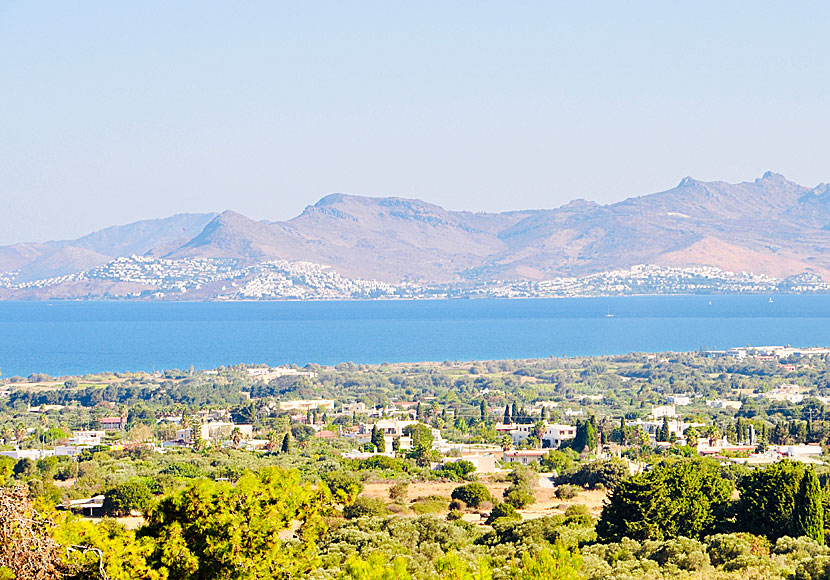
(269, 374)
(389, 427)
(90, 438)
(358, 407)
(33, 454)
(213, 431)
(306, 405)
(724, 404)
(553, 437)
(679, 400)
(663, 411)
(524, 456)
(113, 423)
(786, 393)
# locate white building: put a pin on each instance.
(91, 438)
(663, 411)
(553, 437)
(524, 456)
(679, 400)
(214, 430)
(389, 427)
(724, 404)
(306, 405)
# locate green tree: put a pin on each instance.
(286, 443)
(422, 440)
(472, 494)
(682, 498)
(377, 439)
(218, 530)
(363, 507)
(768, 499)
(808, 514)
(586, 437)
(344, 486)
(126, 497)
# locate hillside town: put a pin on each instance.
(224, 279)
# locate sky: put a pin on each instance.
(118, 111)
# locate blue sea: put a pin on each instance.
(61, 338)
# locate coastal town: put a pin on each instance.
(225, 279)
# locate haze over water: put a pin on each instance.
(62, 338)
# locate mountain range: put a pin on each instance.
(769, 226)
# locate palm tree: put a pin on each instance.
(236, 436)
(539, 429)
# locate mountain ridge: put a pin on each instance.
(771, 226)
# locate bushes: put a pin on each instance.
(456, 470)
(344, 486)
(606, 473)
(384, 462)
(398, 491)
(364, 507)
(502, 510)
(567, 491)
(472, 494)
(520, 493)
(127, 497)
(183, 470)
(519, 496)
(431, 504)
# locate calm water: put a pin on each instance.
(79, 337)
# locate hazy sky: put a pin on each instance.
(118, 111)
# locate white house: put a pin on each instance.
(91, 438)
(215, 430)
(555, 434)
(663, 411)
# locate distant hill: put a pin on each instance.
(767, 226)
(35, 261)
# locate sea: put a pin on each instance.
(72, 338)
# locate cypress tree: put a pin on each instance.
(286, 443)
(482, 406)
(506, 419)
(808, 515)
(377, 439)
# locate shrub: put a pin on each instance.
(398, 491)
(126, 497)
(607, 473)
(456, 470)
(735, 551)
(364, 507)
(384, 462)
(472, 494)
(344, 486)
(454, 514)
(431, 504)
(184, 470)
(567, 491)
(680, 553)
(578, 515)
(519, 496)
(502, 510)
